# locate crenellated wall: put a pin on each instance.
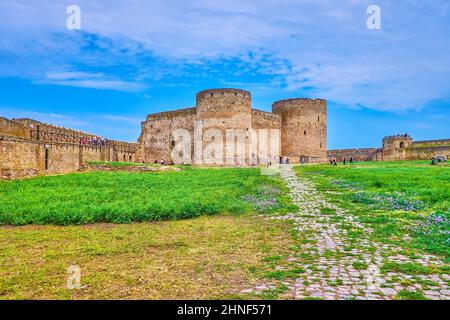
(55, 150)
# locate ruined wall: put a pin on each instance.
(303, 129)
(359, 154)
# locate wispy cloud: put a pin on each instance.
(301, 47)
(90, 80)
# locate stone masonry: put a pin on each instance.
(301, 123)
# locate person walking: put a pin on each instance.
(351, 161)
(302, 161)
(344, 161)
(445, 159)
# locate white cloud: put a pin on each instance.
(323, 45)
(90, 80)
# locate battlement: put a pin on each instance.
(210, 93)
(43, 126)
(265, 114)
(172, 114)
(398, 136)
(298, 102)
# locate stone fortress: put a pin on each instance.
(30, 148)
(296, 128)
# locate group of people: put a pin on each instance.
(284, 160)
(438, 160)
(163, 162)
(102, 142)
(333, 161)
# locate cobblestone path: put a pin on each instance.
(340, 265)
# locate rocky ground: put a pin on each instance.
(337, 260)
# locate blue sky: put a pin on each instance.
(136, 57)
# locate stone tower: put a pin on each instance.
(395, 147)
(303, 129)
(224, 109)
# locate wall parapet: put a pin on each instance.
(171, 114)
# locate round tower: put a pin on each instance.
(303, 129)
(223, 103)
(228, 111)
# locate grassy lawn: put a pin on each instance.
(122, 197)
(396, 198)
(122, 164)
(211, 257)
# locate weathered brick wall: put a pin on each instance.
(13, 128)
(359, 154)
(303, 129)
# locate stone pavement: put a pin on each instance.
(340, 265)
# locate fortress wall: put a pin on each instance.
(13, 128)
(303, 129)
(26, 158)
(425, 152)
(32, 124)
(19, 158)
(431, 143)
(156, 138)
(359, 154)
(265, 120)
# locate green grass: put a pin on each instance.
(121, 197)
(410, 295)
(211, 257)
(395, 198)
(122, 164)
